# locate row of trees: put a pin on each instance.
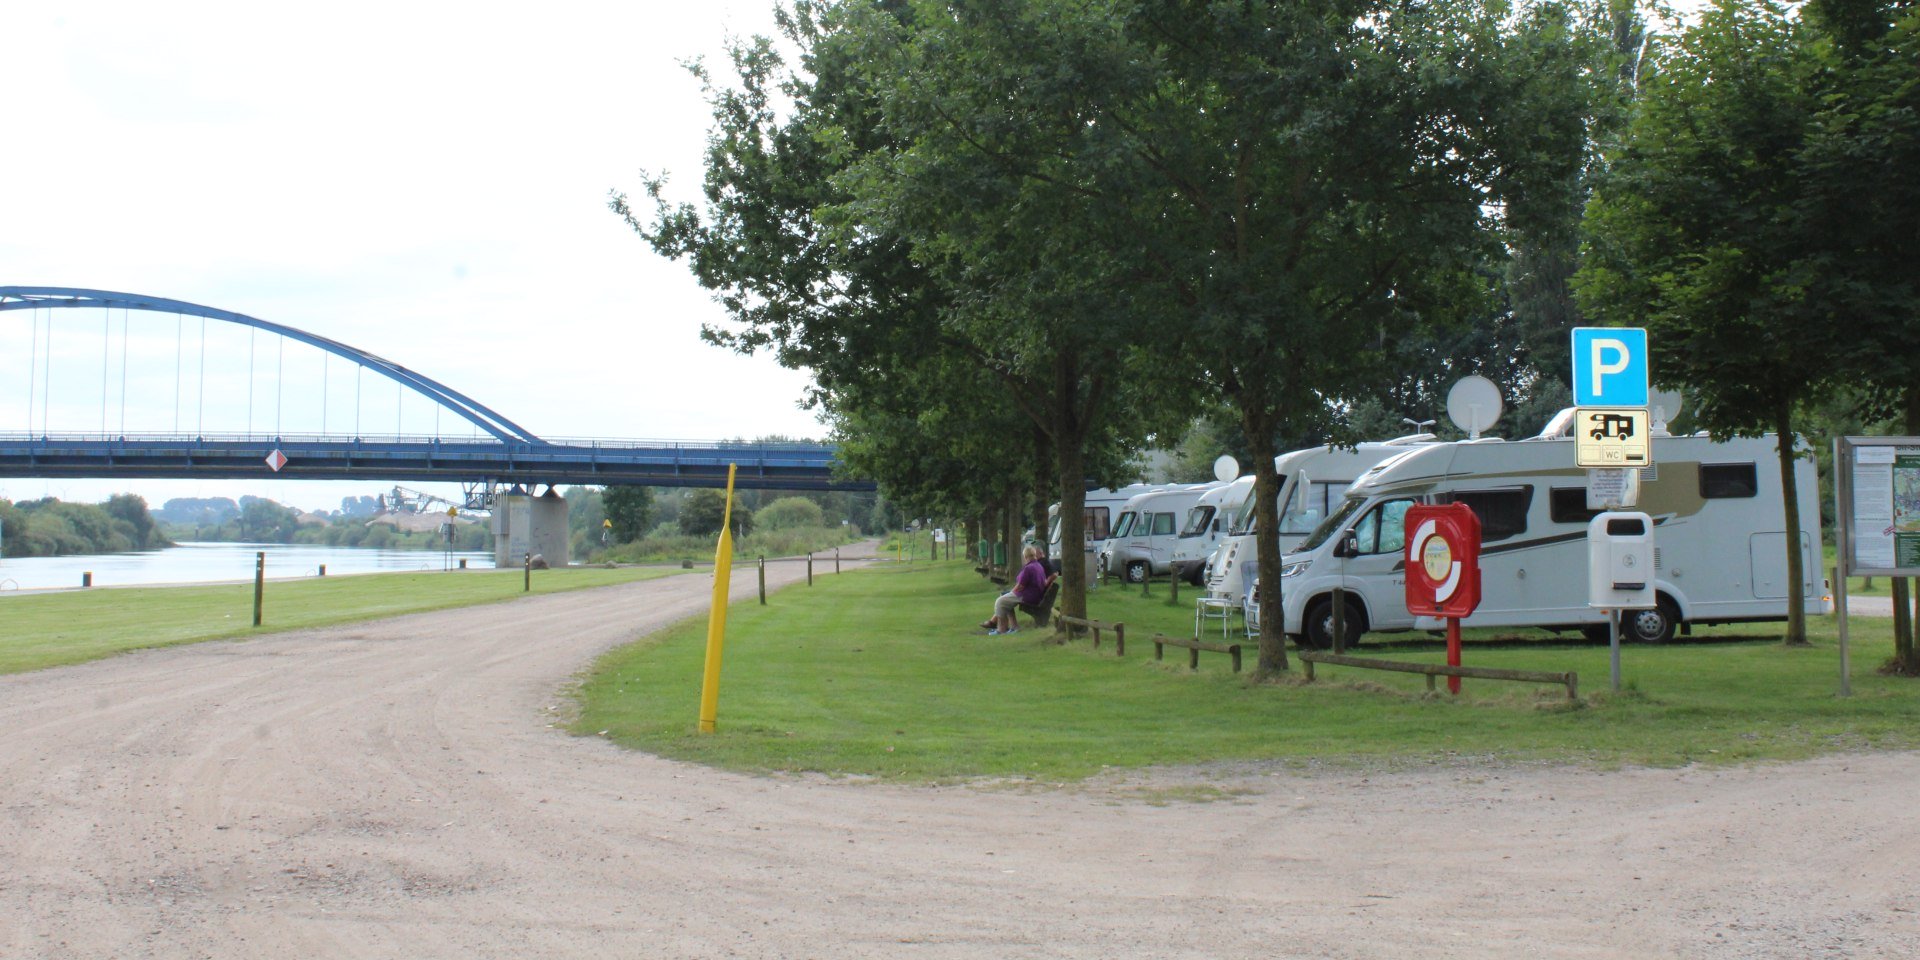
(51, 527)
(1016, 239)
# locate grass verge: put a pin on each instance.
(52, 629)
(884, 673)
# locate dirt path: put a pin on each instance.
(394, 789)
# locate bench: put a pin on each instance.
(1069, 626)
(1043, 611)
(1162, 641)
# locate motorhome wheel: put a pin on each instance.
(1651, 626)
(1319, 624)
(1136, 571)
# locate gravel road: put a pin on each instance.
(398, 789)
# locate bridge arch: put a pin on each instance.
(501, 428)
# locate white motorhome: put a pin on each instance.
(1312, 483)
(1147, 530)
(1102, 508)
(1206, 528)
(1720, 537)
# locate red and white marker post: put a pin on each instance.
(1443, 569)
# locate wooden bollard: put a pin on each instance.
(259, 584)
(527, 586)
(1173, 599)
(809, 569)
(763, 581)
(1119, 639)
(836, 559)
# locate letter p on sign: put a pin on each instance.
(1610, 366)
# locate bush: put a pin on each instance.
(787, 513)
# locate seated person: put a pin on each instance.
(1029, 588)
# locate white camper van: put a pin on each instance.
(1719, 534)
(1102, 509)
(1147, 530)
(1206, 528)
(1312, 483)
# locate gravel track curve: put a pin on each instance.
(399, 789)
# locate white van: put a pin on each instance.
(1147, 530)
(1720, 536)
(1206, 528)
(1312, 483)
(1101, 510)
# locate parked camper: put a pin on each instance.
(1147, 530)
(1102, 508)
(1206, 528)
(1720, 536)
(1312, 483)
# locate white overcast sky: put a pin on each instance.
(425, 181)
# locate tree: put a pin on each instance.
(630, 509)
(703, 511)
(1698, 232)
(1863, 215)
(1288, 186)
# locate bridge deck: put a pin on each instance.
(653, 463)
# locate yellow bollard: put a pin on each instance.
(717, 619)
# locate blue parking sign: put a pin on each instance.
(1609, 366)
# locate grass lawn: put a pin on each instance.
(884, 673)
(51, 629)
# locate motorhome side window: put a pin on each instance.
(1569, 505)
(1097, 520)
(1162, 525)
(1384, 528)
(1728, 480)
(1502, 513)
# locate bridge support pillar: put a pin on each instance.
(524, 524)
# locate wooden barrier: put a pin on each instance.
(1569, 679)
(1071, 625)
(1162, 641)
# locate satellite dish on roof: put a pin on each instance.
(1474, 404)
(1666, 406)
(1226, 468)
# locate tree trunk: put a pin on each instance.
(1796, 566)
(1073, 524)
(1043, 467)
(1904, 661)
(1012, 532)
(1259, 425)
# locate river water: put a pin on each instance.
(214, 562)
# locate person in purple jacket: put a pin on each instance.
(1029, 587)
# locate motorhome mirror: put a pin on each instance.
(1473, 404)
(1348, 547)
(1226, 468)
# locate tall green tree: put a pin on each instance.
(1698, 233)
(1268, 193)
(629, 508)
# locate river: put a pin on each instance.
(213, 562)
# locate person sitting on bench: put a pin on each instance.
(1028, 588)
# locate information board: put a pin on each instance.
(1878, 487)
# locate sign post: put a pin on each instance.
(1443, 569)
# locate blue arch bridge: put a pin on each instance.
(500, 460)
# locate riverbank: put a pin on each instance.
(65, 627)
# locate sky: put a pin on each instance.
(425, 181)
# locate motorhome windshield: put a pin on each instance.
(1332, 524)
(1126, 524)
(1197, 520)
(1243, 524)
